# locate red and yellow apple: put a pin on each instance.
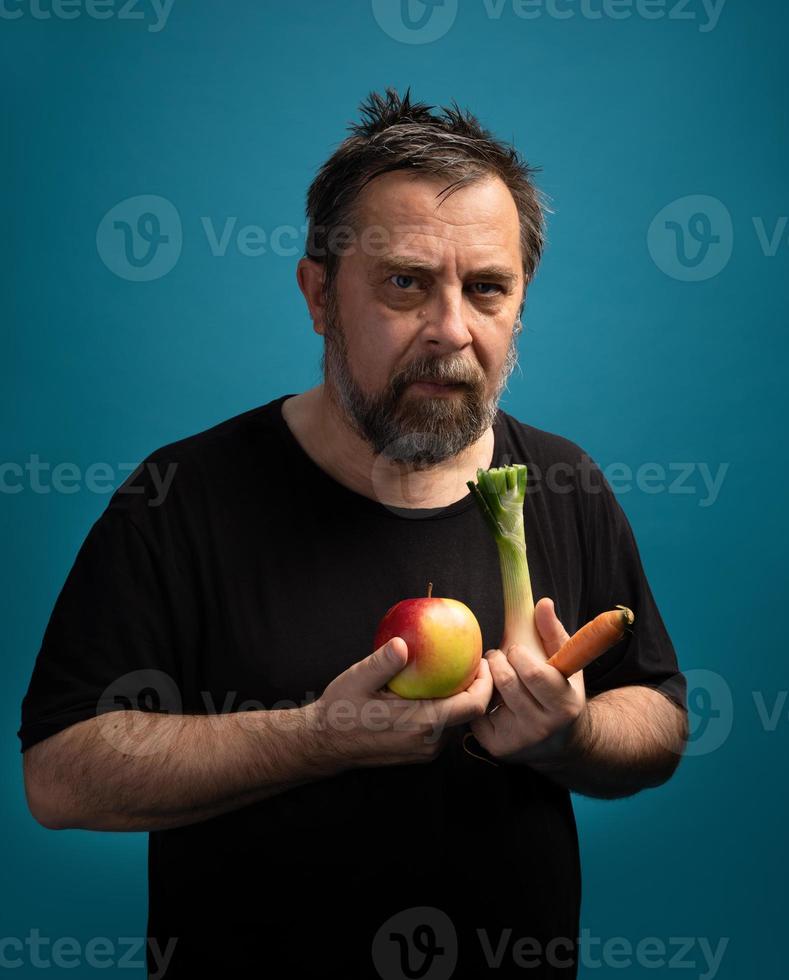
(444, 643)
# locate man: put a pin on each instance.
(207, 673)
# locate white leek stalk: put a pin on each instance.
(500, 493)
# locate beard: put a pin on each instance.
(414, 428)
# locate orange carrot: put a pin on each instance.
(592, 640)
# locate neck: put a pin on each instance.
(349, 459)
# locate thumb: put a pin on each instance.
(551, 631)
(382, 665)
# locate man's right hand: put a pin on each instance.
(360, 723)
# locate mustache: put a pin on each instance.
(435, 373)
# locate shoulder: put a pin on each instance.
(192, 465)
(226, 434)
(541, 449)
(563, 479)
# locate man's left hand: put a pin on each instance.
(541, 710)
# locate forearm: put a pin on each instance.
(154, 771)
(624, 740)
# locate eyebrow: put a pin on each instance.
(408, 263)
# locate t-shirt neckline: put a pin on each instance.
(360, 500)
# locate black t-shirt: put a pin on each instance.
(255, 577)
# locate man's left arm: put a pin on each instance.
(624, 740)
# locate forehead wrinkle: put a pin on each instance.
(408, 221)
(413, 239)
(461, 238)
(410, 214)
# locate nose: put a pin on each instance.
(444, 324)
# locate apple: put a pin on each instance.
(444, 645)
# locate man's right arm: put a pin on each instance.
(137, 770)
(141, 770)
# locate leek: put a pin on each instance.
(500, 493)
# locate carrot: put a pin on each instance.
(592, 640)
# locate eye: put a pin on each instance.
(494, 285)
(401, 275)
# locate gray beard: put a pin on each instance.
(417, 430)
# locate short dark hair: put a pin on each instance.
(396, 134)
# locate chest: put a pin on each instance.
(288, 604)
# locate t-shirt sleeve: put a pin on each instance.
(614, 576)
(109, 643)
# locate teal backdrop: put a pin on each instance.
(655, 337)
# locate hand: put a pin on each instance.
(541, 709)
(358, 723)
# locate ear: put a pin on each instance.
(310, 275)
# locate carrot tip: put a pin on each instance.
(627, 615)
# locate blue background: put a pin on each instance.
(228, 110)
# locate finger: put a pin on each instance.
(483, 731)
(467, 705)
(513, 693)
(481, 687)
(456, 709)
(546, 685)
(495, 701)
(381, 666)
(577, 681)
(552, 633)
(492, 728)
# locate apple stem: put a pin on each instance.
(429, 589)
